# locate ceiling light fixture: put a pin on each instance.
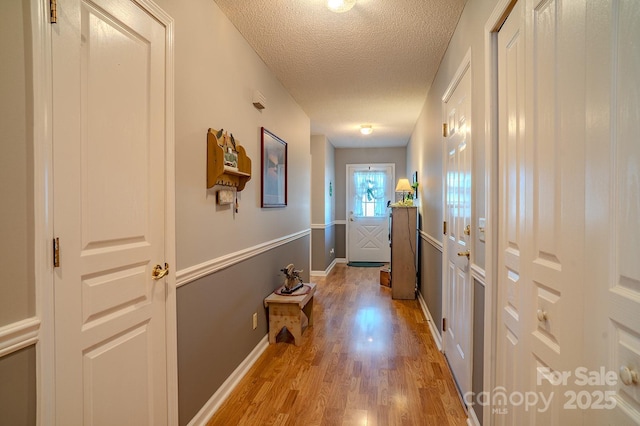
(340, 6)
(366, 129)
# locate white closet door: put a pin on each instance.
(613, 207)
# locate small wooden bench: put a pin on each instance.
(290, 311)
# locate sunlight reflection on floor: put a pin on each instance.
(371, 333)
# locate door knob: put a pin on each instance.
(464, 253)
(467, 230)
(542, 315)
(628, 376)
(157, 272)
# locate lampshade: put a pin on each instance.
(403, 185)
(340, 6)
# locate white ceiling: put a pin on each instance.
(371, 65)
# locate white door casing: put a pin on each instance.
(457, 290)
(368, 237)
(113, 171)
(512, 296)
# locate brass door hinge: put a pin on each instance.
(56, 252)
(444, 227)
(444, 129)
(444, 324)
(53, 11)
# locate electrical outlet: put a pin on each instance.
(255, 320)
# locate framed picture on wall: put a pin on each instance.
(274, 170)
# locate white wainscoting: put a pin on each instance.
(428, 238)
(192, 273)
(19, 335)
(478, 274)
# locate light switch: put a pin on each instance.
(481, 226)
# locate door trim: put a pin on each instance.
(43, 193)
(43, 209)
(492, 26)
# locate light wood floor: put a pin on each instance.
(367, 360)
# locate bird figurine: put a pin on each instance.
(292, 281)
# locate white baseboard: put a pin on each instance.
(472, 420)
(328, 270)
(432, 325)
(212, 405)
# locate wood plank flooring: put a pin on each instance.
(367, 360)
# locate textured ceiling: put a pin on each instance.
(370, 65)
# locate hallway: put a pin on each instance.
(367, 360)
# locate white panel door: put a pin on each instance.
(511, 354)
(109, 204)
(369, 189)
(457, 274)
(555, 226)
(613, 207)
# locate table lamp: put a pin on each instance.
(403, 186)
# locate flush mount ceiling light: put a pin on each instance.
(340, 6)
(366, 129)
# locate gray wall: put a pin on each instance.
(322, 203)
(215, 321)
(17, 286)
(214, 313)
(341, 241)
(322, 241)
(18, 388)
(208, 94)
(424, 151)
(430, 283)
(425, 154)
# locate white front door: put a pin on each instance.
(109, 214)
(369, 189)
(457, 277)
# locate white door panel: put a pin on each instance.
(457, 276)
(555, 200)
(109, 204)
(613, 203)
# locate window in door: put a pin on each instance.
(369, 199)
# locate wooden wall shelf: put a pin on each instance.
(218, 173)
